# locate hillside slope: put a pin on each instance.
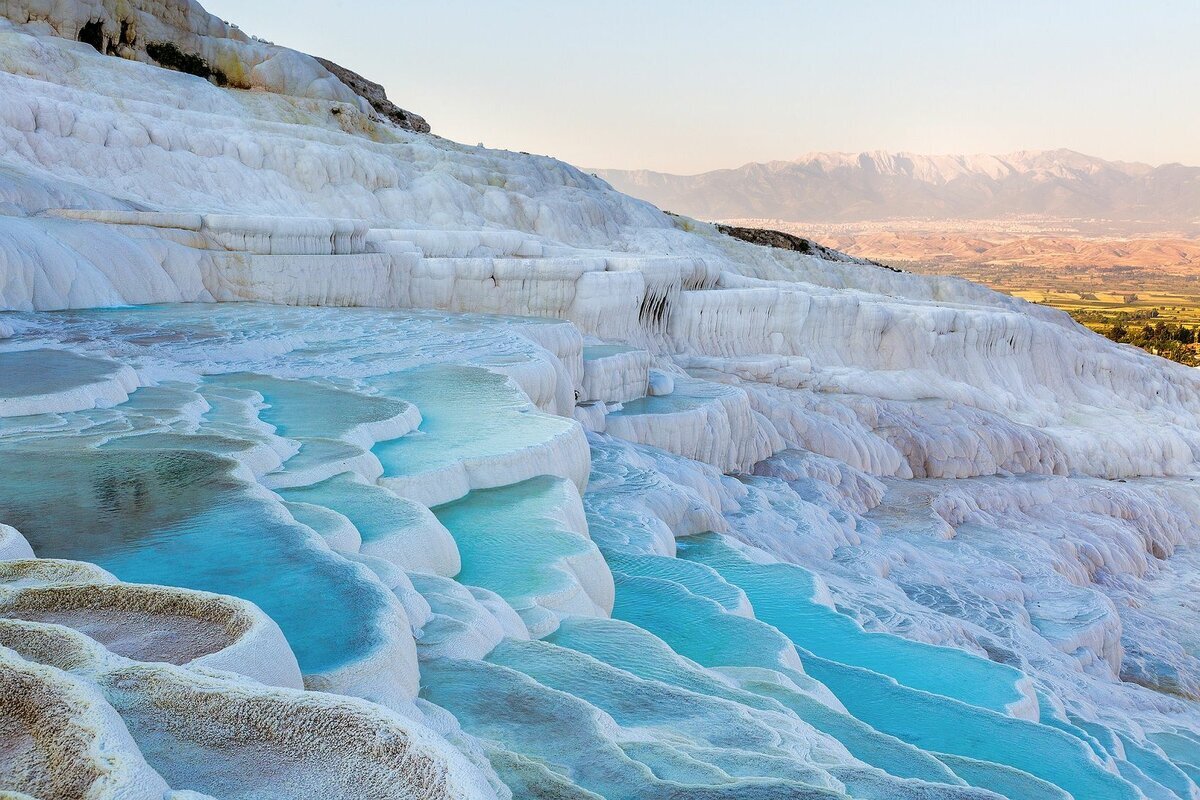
(338, 460)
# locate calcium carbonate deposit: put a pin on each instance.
(338, 460)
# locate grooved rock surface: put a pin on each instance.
(375, 94)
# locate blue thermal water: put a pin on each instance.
(689, 394)
(46, 371)
(595, 351)
(639, 652)
(389, 526)
(931, 722)
(783, 595)
(1006, 781)
(946, 726)
(546, 732)
(378, 514)
(1155, 767)
(717, 676)
(309, 410)
(455, 427)
(515, 541)
(1183, 749)
(184, 518)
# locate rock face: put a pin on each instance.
(788, 241)
(359, 463)
(181, 35)
(374, 94)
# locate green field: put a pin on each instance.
(1165, 323)
(1158, 310)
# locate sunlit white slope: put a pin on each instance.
(124, 182)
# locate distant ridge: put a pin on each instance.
(849, 187)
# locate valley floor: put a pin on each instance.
(1121, 284)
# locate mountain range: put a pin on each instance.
(850, 187)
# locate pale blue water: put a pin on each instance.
(948, 726)
(181, 518)
(375, 512)
(309, 410)
(689, 394)
(699, 629)
(45, 371)
(1003, 780)
(1183, 749)
(593, 351)
(707, 683)
(702, 630)
(1102, 744)
(783, 596)
(466, 412)
(513, 542)
(641, 653)
(697, 578)
(553, 739)
(1155, 767)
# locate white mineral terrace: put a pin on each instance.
(556, 495)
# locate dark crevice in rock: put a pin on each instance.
(375, 94)
(93, 33)
(654, 310)
(128, 33)
(168, 55)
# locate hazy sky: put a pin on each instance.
(692, 85)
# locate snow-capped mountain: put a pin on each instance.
(879, 185)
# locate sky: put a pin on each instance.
(687, 87)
